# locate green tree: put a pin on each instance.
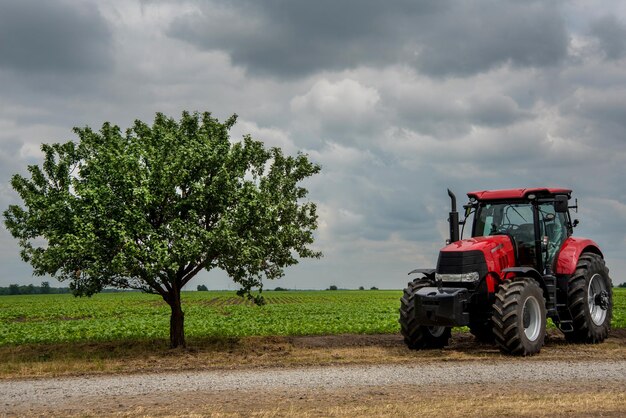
(150, 208)
(45, 288)
(202, 288)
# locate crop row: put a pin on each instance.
(136, 316)
(63, 318)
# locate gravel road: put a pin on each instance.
(15, 394)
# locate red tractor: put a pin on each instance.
(521, 266)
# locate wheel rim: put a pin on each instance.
(436, 331)
(531, 317)
(597, 299)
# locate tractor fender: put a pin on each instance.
(570, 252)
(530, 273)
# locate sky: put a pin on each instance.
(396, 100)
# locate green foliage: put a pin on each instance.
(361, 288)
(619, 308)
(44, 289)
(160, 203)
(134, 315)
(332, 287)
(137, 316)
(373, 288)
(149, 208)
(202, 288)
(622, 284)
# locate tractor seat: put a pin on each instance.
(525, 234)
(525, 239)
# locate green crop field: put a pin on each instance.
(137, 316)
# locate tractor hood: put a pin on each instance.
(497, 250)
(484, 244)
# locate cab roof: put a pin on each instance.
(517, 193)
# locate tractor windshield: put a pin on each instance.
(512, 219)
(505, 218)
(516, 220)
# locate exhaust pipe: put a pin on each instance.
(453, 219)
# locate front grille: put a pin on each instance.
(457, 262)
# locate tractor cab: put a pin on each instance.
(537, 221)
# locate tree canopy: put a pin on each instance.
(150, 208)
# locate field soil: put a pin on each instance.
(355, 375)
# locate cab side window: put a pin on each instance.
(554, 226)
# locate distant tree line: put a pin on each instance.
(44, 289)
(333, 287)
(30, 289)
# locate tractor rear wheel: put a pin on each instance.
(418, 336)
(590, 300)
(519, 317)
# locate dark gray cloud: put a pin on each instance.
(397, 100)
(477, 36)
(287, 38)
(53, 36)
(453, 115)
(438, 37)
(611, 33)
(598, 116)
(495, 111)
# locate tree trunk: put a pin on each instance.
(177, 321)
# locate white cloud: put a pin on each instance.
(343, 110)
(336, 157)
(345, 99)
(271, 137)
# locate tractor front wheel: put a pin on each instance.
(418, 336)
(519, 317)
(590, 300)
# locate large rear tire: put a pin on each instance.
(418, 336)
(519, 317)
(590, 300)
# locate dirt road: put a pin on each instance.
(83, 394)
(310, 376)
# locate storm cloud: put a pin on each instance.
(611, 33)
(53, 36)
(396, 100)
(440, 38)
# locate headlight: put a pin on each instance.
(463, 277)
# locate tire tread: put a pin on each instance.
(584, 332)
(506, 318)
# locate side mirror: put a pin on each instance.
(560, 203)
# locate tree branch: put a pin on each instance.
(165, 282)
(187, 277)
